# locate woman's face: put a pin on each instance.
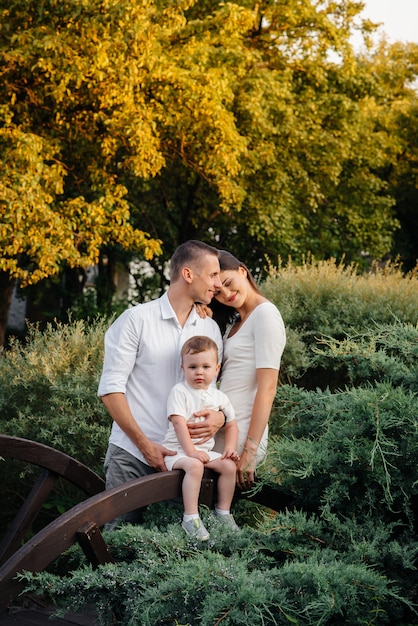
(234, 288)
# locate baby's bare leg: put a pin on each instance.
(226, 469)
(191, 483)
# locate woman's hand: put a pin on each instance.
(246, 468)
(203, 310)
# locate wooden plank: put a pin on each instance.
(51, 541)
(207, 495)
(270, 497)
(92, 543)
(27, 514)
(84, 520)
(53, 460)
(54, 464)
(42, 617)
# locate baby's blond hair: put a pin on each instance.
(197, 344)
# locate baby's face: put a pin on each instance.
(200, 369)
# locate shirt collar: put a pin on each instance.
(167, 310)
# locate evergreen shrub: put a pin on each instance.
(48, 393)
(285, 572)
(48, 389)
(352, 453)
(383, 352)
(330, 298)
(344, 444)
(324, 299)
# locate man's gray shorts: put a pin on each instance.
(121, 466)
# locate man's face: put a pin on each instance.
(206, 281)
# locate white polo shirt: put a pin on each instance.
(143, 360)
(185, 400)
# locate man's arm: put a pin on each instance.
(120, 412)
(203, 431)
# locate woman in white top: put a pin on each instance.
(254, 340)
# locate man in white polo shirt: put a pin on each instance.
(142, 362)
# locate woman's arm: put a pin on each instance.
(266, 391)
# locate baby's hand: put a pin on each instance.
(200, 455)
(231, 454)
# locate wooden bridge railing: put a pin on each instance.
(54, 465)
(83, 521)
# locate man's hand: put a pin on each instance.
(204, 430)
(154, 454)
(118, 408)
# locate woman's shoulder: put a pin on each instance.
(266, 310)
(267, 318)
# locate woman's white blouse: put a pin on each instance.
(259, 343)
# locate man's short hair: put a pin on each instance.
(189, 253)
(199, 343)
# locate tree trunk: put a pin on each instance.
(6, 292)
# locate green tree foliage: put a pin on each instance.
(249, 124)
(95, 92)
(396, 65)
(314, 172)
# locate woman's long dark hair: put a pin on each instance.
(223, 314)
